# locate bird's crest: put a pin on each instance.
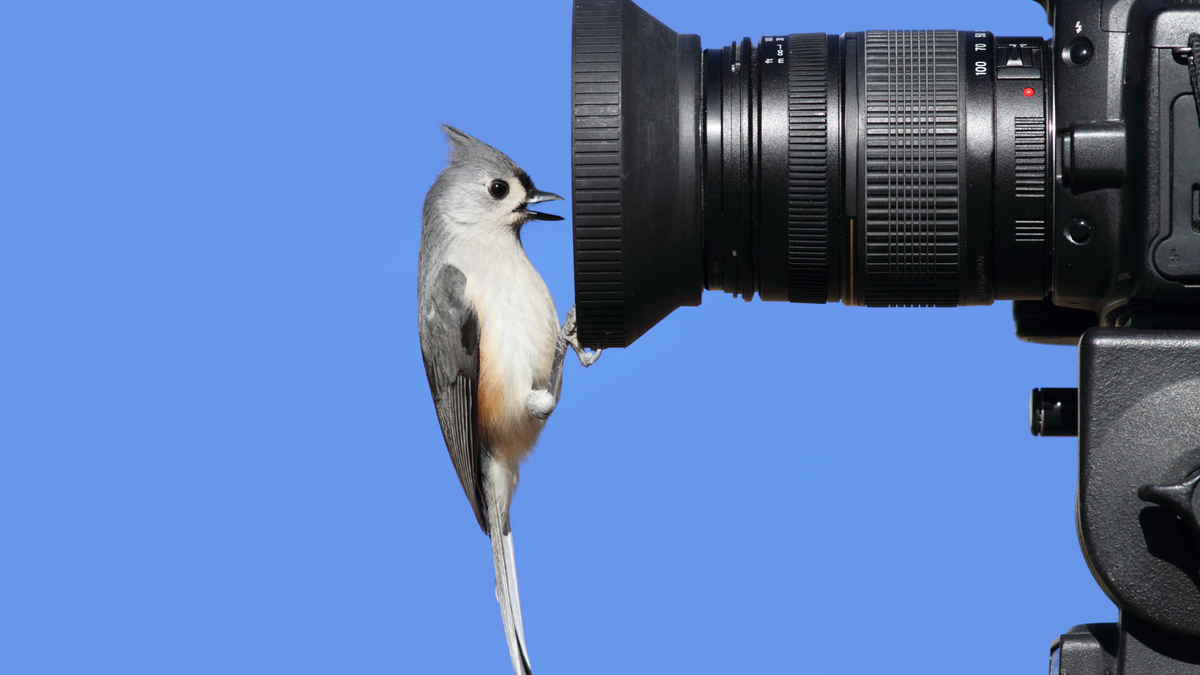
(469, 152)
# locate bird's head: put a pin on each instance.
(483, 187)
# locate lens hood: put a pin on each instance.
(635, 88)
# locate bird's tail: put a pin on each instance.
(507, 595)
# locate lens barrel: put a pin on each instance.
(885, 168)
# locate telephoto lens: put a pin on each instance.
(882, 168)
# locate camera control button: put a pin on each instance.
(1054, 412)
(1080, 52)
(1181, 500)
(1080, 230)
(1018, 62)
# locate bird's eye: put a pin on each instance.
(498, 189)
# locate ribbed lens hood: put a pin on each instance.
(635, 87)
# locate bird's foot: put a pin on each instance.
(540, 403)
(569, 334)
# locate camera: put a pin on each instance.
(890, 168)
(937, 168)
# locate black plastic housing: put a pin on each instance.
(1139, 425)
(1127, 161)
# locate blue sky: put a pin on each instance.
(218, 448)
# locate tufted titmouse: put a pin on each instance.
(490, 337)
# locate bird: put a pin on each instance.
(490, 339)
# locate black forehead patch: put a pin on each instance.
(525, 181)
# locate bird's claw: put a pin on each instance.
(569, 334)
(588, 358)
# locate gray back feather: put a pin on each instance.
(449, 332)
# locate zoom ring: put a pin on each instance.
(807, 191)
(912, 174)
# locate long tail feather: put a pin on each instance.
(509, 598)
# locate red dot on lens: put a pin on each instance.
(1029, 92)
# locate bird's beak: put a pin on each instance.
(536, 196)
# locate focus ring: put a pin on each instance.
(808, 192)
(912, 168)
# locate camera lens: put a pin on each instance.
(885, 168)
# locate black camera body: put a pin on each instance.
(1126, 157)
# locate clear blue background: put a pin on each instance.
(219, 454)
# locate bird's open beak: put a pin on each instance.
(534, 197)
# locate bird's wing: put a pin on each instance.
(449, 329)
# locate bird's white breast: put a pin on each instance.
(518, 331)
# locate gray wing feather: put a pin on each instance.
(449, 330)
